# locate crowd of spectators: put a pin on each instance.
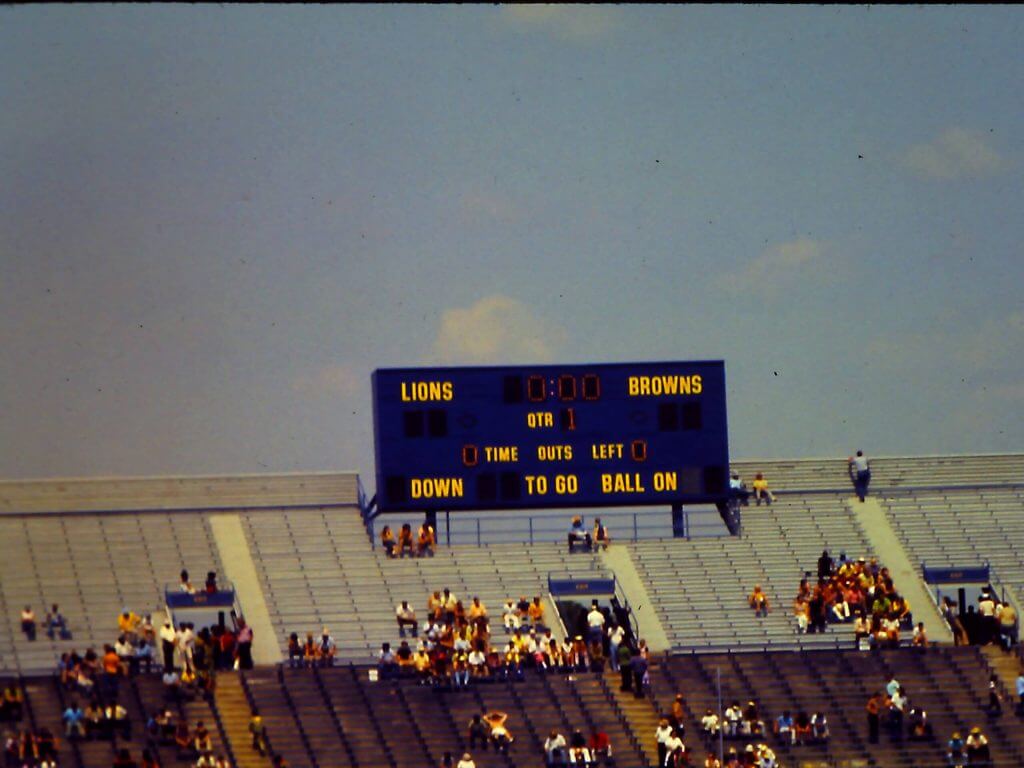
(312, 652)
(560, 752)
(860, 592)
(991, 622)
(29, 748)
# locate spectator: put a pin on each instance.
(955, 750)
(258, 731)
(759, 601)
(479, 732)
(425, 541)
(662, 734)
(128, 624)
(184, 585)
(56, 625)
(873, 707)
(784, 728)
(172, 685)
(920, 639)
(712, 761)
(536, 613)
(405, 541)
(820, 732)
(709, 725)
(761, 490)
(802, 614)
(578, 534)
(510, 616)
(595, 623)
(977, 748)
(74, 721)
(639, 668)
(326, 649)
(602, 538)
(387, 540)
(1007, 617)
(995, 698)
(600, 745)
(477, 613)
(738, 489)
(466, 762)
(167, 642)
(675, 751)
(500, 735)
(202, 743)
(1020, 693)
(245, 638)
(142, 658)
(860, 473)
(677, 715)
(825, 565)
(406, 617)
(920, 728)
(28, 623)
(211, 582)
(554, 750)
(12, 702)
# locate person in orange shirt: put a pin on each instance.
(387, 540)
(759, 601)
(536, 612)
(426, 541)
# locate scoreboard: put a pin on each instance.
(550, 436)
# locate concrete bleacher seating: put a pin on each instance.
(92, 567)
(317, 569)
(967, 527)
(887, 471)
(700, 586)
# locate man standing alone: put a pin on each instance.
(860, 473)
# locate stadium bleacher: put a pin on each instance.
(316, 567)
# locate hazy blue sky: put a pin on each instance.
(215, 222)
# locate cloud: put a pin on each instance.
(568, 22)
(335, 379)
(496, 329)
(775, 266)
(956, 153)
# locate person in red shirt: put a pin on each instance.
(600, 745)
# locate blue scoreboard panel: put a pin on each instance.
(619, 434)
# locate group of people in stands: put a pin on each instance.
(166, 729)
(312, 652)
(422, 546)
(859, 591)
(29, 748)
(55, 625)
(577, 750)
(992, 621)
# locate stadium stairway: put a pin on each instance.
(235, 712)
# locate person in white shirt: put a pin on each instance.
(168, 642)
(733, 717)
(673, 746)
(466, 762)
(405, 615)
(510, 616)
(554, 749)
(595, 623)
(662, 734)
(709, 724)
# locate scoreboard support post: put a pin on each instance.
(679, 522)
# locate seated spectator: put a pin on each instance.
(310, 654)
(759, 601)
(202, 743)
(93, 720)
(387, 540)
(761, 490)
(211, 582)
(406, 617)
(600, 745)
(500, 735)
(712, 761)
(172, 685)
(405, 544)
(752, 725)
(12, 702)
(425, 541)
(188, 683)
(28, 623)
(74, 721)
(578, 752)
(803, 732)
(142, 657)
(184, 584)
(784, 728)
(738, 489)
(709, 725)
(819, 727)
(536, 612)
(448, 605)
(167, 727)
(117, 721)
(977, 748)
(510, 616)
(326, 649)
(466, 761)
(920, 728)
(554, 750)
(128, 624)
(802, 614)
(387, 663)
(56, 624)
(578, 534)
(294, 651)
(602, 538)
(733, 718)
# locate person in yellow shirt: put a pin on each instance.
(421, 661)
(477, 611)
(128, 624)
(759, 601)
(761, 490)
(425, 541)
(536, 612)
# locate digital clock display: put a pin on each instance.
(550, 436)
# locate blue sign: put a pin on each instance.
(969, 575)
(566, 586)
(620, 434)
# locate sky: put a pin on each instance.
(216, 222)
